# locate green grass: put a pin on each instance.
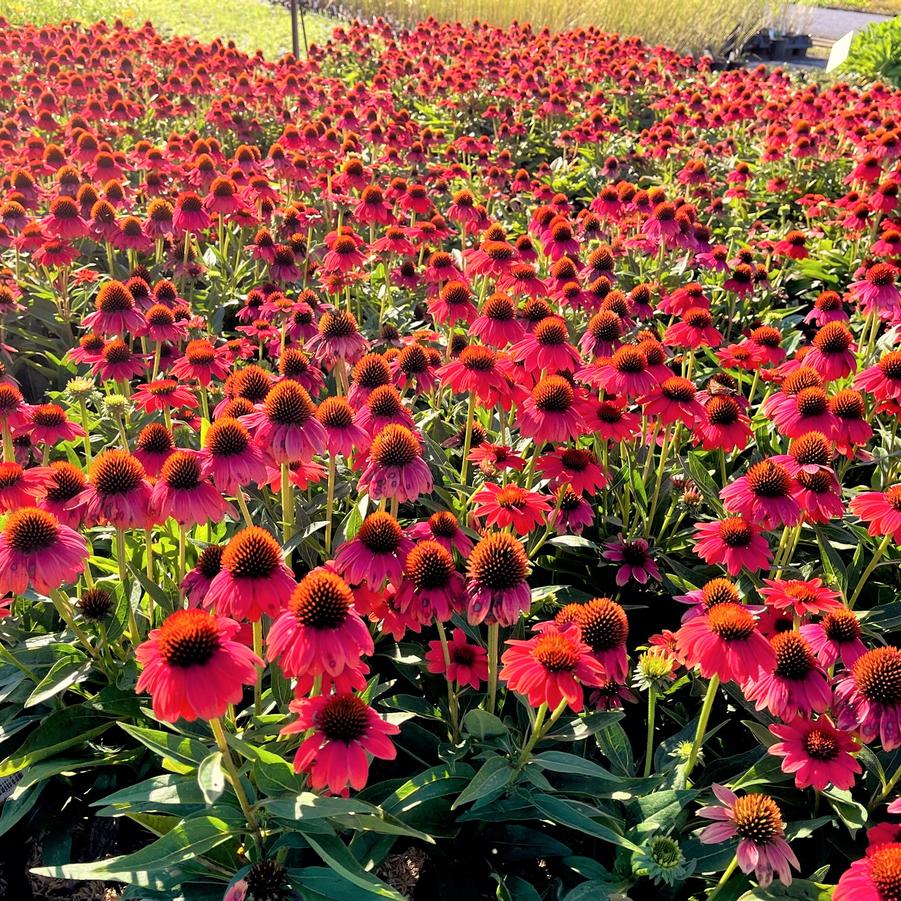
(251, 24)
(886, 7)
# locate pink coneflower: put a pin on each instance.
(254, 579)
(444, 528)
(869, 698)
(343, 434)
(552, 667)
(20, 487)
(878, 291)
(183, 492)
(764, 495)
(161, 326)
(733, 542)
(634, 559)
(163, 394)
(65, 481)
(851, 427)
(836, 637)
(816, 753)
(230, 457)
(475, 371)
(832, 354)
(496, 323)
(320, 631)
(36, 549)
(625, 373)
(604, 627)
(153, 446)
(602, 334)
(202, 361)
(339, 338)
(497, 589)
(553, 411)
(757, 821)
(828, 307)
(467, 664)
(118, 362)
(494, 458)
(376, 554)
(345, 730)
(117, 493)
(510, 505)
(453, 304)
(674, 400)
(801, 597)
(285, 424)
(395, 468)
(370, 372)
(876, 877)
(881, 510)
(695, 330)
(197, 581)
(547, 347)
(193, 667)
(48, 424)
(725, 642)
(725, 426)
(574, 466)
(431, 588)
(189, 214)
(116, 312)
(343, 254)
(571, 512)
(412, 367)
(795, 686)
(883, 380)
(610, 419)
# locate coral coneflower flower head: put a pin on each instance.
(836, 637)
(185, 493)
(764, 495)
(376, 554)
(116, 312)
(230, 457)
(725, 642)
(345, 729)
(254, 579)
(36, 549)
(816, 753)
(193, 666)
(735, 543)
(431, 588)
(65, 481)
(796, 685)
(197, 581)
(552, 667)
(444, 528)
(605, 627)
(117, 492)
(868, 700)
(553, 411)
(801, 597)
(510, 505)
(497, 589)
(320, 631)
(875, 877)
(757, 822)
(285, 424)
(634, 559)
(395, 468)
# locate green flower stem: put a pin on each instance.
(258, 650)
(493, 638)
(467, 441)
(540, 729)
(235, 779)
(452, 703)
(329, 504)
(7, 655)
(287, 507)
(9, 451)
(877, 556)
(649, 747)
(886, 791)
(83, 407)
(242, 506)
(709, 698)
(727, 875)
(133, 633)
(61, 602)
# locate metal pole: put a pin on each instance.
(295, 38)
(303, 28)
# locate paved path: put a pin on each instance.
(828, 25)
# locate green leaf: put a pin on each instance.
(495, 774)
(211, 777)
(61, 730)
(178, 752)
(561, 762)
(586, 726)
(852, 814)
(481, 724)
(567, 813)
(62, 675)
(170, 793)
(615, 746)
(336, 855)
(159, 865)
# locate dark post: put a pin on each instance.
(295, 38)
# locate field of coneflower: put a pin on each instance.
(461, 464)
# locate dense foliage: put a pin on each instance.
(876, 52)
(464, 462)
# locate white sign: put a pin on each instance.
(839, 52)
